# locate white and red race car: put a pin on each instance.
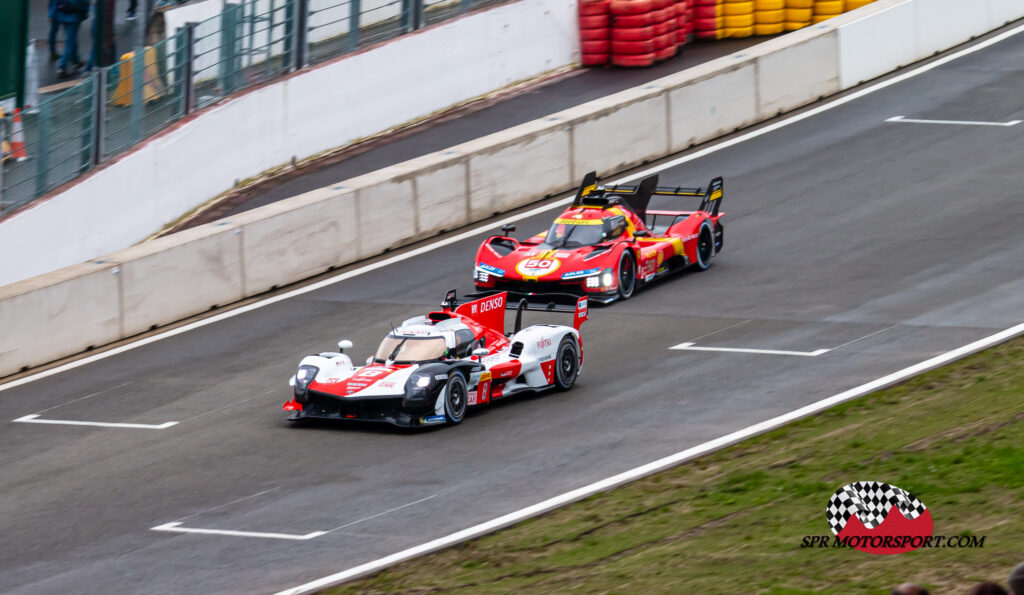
(432, 368)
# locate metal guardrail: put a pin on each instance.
(248, 43)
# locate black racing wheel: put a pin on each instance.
(627, 274)
(456, 398)
(705, 246)
(567, 364)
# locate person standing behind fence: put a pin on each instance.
(51, 14)
(71, 13)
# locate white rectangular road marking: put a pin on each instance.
(952, 122)
(35, 419)
(177, 528)
(689, 346)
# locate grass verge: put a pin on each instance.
(732, 522)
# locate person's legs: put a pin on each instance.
(54, 28)
(70, 55)
(132, 6)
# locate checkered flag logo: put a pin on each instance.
(871, 501)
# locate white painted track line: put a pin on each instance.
(692, 347)
(511, 219)
(35, 419)
(177, 528)
(655, 466)
(901, 119)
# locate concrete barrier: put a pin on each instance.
(175, 277)
(58, 314)
(165, 280)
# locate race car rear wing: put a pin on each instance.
(637, 197)
(537, 302)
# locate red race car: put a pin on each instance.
(607, 243)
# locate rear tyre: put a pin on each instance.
(627, 275)
(456, 397)
(719, 238)
(705, 246)
(567, 364)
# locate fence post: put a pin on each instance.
(354, 10)
(417, 14)
(43, 150)
(87, 158)
(189, 68)
(298, 32)
(228, 49)
(138, 97)
(100, 146)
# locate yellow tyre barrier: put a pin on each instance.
(855, 4)
(745, 21)
(828, 8)
(769, 29)
(760, 5)
(737, 32)
(769, 17)
(738, 8)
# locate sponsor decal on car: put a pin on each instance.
(538, 267)
(479, 307)
(440, 377)
(432, 419)
(491, 269)
(386, 384)
(562, 255)
(545, 342)
(581, 274)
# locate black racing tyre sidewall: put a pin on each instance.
(626, 255)
(453, 413)
(567, 349)
(720, 232)
(701, 261)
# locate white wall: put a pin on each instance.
(315, 110)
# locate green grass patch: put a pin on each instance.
(732, 522)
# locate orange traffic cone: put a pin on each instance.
(18, 138)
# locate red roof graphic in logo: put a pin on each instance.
(866, 513)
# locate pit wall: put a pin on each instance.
(333, 105)
(165, 280)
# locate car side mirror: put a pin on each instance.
(508, 228)
(481, 352)
(641, 233)
(343, 345)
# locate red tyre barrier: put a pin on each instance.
(705, 12)
(664, 41)
(632, 33)
(666, 53)
(663, 28)
(593, 7)
(603, 33)
(633, 60)
(595, 59)
(600, 21)
(620, 7)
(659, 4)
(595, 47)
(632, 47)
(633, 20)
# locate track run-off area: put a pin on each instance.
(855, 246)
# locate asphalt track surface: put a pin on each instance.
(887, 243)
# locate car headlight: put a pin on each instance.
(594, 281)
(303, 377)
(607, 278)
(482, 277)
(419, 385)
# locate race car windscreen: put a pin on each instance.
(410, 350)
(573, 233)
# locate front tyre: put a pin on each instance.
(567, 364)
(626, 274)
(456, 397)
(705, 246)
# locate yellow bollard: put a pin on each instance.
(153, 88)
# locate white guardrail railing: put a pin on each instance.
(168, 279)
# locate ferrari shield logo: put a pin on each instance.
(537, 267)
